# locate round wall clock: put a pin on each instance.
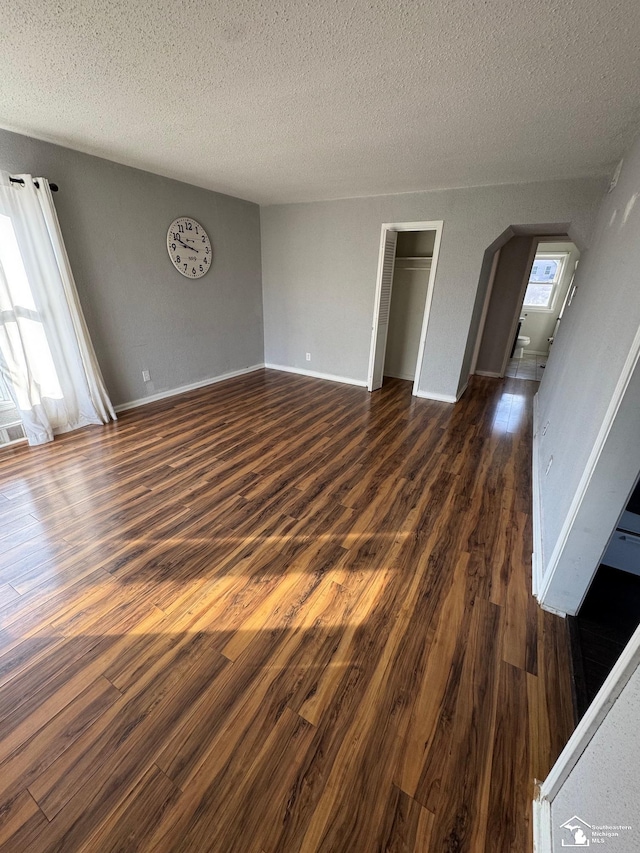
(189, 247)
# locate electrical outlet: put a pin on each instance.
(546, 427)
(308, 356)
(146, 376)
(549, 464)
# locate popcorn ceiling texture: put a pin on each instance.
(289, 101)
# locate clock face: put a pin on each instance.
(189, 247)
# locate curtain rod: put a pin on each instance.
(54, 187)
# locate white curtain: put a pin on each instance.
(46, 355)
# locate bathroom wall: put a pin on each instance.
(539, 325)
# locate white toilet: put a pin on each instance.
(522, 341)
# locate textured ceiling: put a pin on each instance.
(288, 101)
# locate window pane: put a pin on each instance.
(538, 295)
(545, 270)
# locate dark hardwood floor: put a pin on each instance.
(278, 614)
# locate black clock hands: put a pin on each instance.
(191, 248)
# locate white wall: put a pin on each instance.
(580, 501)
(319, 264)
(141, 313)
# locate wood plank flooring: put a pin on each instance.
(277, 615)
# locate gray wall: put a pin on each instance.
(415, 244)
(142, 314)
(584, 365)
(513, 266)
(319, 263)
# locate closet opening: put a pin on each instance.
(404, 290)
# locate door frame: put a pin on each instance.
(436, 225)
(485, 309)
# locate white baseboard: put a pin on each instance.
(463, 389)
(443, 398)
(440, 398)
(173, 392)
(489, 373)
(549, 609)
(331, 377)
(13, 441)
(536, 352)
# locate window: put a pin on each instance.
(47, 362)
(546, 273)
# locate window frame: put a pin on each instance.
(563, 258)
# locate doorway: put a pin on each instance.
(530, 286)
(404, 290)
(547, 293)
